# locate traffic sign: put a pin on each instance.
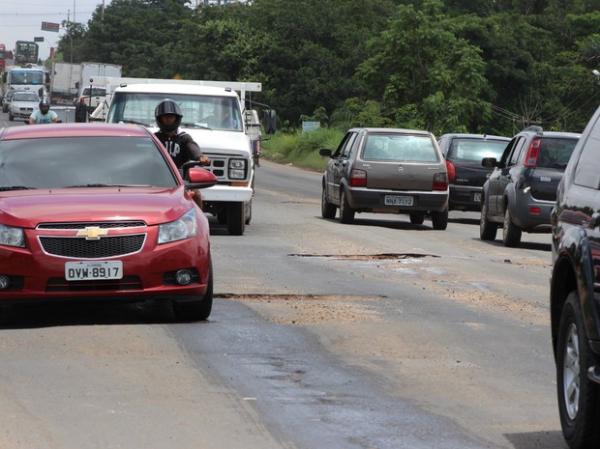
(50, 26)
(38, 39)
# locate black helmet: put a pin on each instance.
(168, 107)
(44, 106)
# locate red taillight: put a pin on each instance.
(533, 210)
(358, 178)
(451, 171)
(533, 152)
(440, 181)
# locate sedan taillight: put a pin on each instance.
(451, 171)
(358, 178)
(440, 181)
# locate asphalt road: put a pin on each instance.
(375, 335)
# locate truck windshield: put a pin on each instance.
(25, 96)
(22, 77)
(474, 150)
(199, 111)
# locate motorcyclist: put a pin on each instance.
(179, 144)
(43, 115)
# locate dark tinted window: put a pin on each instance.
(96, 92)
(399, 147)
(588, 167)
(555, 152)
(348, 146)
(70, 161)
(474, 150)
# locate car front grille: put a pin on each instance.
(101, 225)
(80, 248)
(62, 285)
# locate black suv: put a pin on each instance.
(464, 153)
(575, 292)
(521, 191)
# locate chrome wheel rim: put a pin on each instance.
(571, 371)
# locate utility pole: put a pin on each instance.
(70, 34)
(103, 8)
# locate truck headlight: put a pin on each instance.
(10, 236)
(181, 229)
(237, 168)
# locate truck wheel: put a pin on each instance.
(578, 396)
(236, 219)
(511, 233)
(439, 220)
(487, 229)
(417, 218)
(346, 212)
(327, 209)
(198, 310)
(248, 212)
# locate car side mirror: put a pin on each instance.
(199, 178)
(325, 153)
(489, 162)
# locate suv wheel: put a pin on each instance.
(346, 212)
(327, 209)
(487, 229)
(511, 233)
(578, 397)
(440, 220)
(417, 218)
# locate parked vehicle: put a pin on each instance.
(64, 82)
(464, 153)
(6, 101)
(213, 117)
(386, 171)
(69, 82)
(113, 222)
(521, 191)
(22, 105)
(574, 292)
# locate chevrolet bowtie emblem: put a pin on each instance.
(92, 233)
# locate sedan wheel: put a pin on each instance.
(487, 229)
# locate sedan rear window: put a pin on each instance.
(475, 150)
(83, 161)
(556, 152)
(399, 147)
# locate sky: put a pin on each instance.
(22, 19)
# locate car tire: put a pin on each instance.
(236, 219)
(487, 229)
(327, 209)
(248, 212)
(346, 212)
(11, 118)
(417, 218)
(439, 220)
(196, 310)
(511, 233)
(579, 409)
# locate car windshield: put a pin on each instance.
(22, 77)
(25, 96)
(399, 147)
(96, 92)
(199, 111)
(556, 152)
(83, 161)
(475, 150)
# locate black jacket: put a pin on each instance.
(181, 147)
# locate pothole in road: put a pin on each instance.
(368, 257)
(293, 297)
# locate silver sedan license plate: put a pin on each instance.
(397, 200)
(93, 271)
(477, 197)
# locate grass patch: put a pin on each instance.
(302, 149)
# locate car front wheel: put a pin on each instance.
(487, 229)
(578, 396)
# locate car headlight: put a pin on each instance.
(181, 229)
(237, 168)
(10, 236)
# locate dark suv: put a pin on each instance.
(521, 191)
(575, 292)
(464, 153)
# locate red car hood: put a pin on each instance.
(25, 208)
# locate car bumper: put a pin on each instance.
(465, 197)
(227, 194)
(367, 200)
(530, 214)
(147, 274)
(19, 114)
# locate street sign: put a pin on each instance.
(38, 39)
(50, 26)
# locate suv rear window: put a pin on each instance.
(399, 147)
(474, 150)
(555, 152)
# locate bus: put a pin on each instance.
(26, 52)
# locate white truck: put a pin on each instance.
(29, 79)
(213, 116)
(70, 82)
(64, 80)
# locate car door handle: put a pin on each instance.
(595, 221)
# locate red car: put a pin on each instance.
(101, 212)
